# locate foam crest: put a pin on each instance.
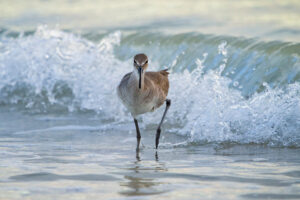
(209, 111)
(56, 71)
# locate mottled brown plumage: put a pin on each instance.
(160, 83)
(143, 92)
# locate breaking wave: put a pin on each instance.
(223, 89)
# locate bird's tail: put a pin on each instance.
(164, 72)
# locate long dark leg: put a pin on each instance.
(168, 103)
(137, 155)
(138, 134)
(156, 156)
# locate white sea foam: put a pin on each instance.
(52, 67)
(52, 70)
(210, 111)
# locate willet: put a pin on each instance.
(143, 92)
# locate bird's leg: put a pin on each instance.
(168, 103)
(156, 156)
(138, 134)
(137, 155)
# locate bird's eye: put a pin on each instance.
(134, 62)
(146, 62)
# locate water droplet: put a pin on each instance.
(235, 83)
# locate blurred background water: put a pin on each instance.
(233, 130)
(276, 20)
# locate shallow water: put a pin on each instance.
(232, 131)
(54, 157)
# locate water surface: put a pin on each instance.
(233, 129)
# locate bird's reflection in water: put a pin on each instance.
(141, 178)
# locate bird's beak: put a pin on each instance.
(140, 75)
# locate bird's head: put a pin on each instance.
(140, 64)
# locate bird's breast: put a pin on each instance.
(137, 101)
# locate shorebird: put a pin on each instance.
(143, 92)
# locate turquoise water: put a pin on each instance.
(232, 132)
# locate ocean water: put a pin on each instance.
(232, 131)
